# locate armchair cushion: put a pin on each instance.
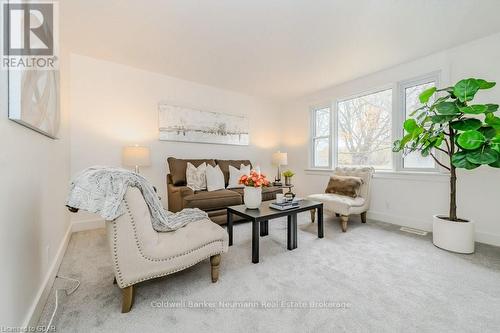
(340, 204)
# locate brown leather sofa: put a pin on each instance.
(214, 203)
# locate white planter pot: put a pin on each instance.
(252, 197)
(453, 236)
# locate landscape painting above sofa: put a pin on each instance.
(185, 124)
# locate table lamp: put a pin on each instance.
(136, 156)
(279, 159)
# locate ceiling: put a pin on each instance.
(271, 48)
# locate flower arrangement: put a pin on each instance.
(254, 179)
(288, 173)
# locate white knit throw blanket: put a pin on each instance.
(101, 190)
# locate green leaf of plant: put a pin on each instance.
(459, 160)
(495, 143)
(474, 109)
(441, 119)
(465, 90)
(485, 155)
(447, 108)
(405, 140)
(426, 94)
(495, 164)
(483, 84)
(471, 140)
(492, 107)
(416, 111)
(410, 125)
(467, 124)
(488, 132)
(492, 121)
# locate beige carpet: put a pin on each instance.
(374, 278)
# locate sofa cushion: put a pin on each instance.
(224, 166)
(178, 168)
(212, 200)
(268, 193)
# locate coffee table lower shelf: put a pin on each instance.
(260, 222)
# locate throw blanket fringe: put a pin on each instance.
(101, 190)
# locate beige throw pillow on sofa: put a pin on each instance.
(235, 175)
(215, 178)
(196, 177)
(344, 185)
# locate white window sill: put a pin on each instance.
(390, 174)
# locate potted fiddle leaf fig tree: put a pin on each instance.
(457, 134)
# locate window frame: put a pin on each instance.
(314, 137)
(400, 116)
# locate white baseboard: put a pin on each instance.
(87, 225)
(36, 308)
(404, 221)
(488, 238)
(482, 237)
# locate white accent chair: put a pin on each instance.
(344, 206)
(140, 253)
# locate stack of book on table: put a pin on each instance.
(284, 205)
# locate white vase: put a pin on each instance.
(453, 236)
(252, 197)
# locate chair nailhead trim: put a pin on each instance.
(139, 247)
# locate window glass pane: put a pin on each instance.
(415, 159)
(364, 130)
(322, 122)
(321, 152)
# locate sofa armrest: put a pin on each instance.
(176, 195)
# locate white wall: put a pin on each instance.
(34, 223)
(412, 200)
(115, 105)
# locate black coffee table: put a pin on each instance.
(260, 218)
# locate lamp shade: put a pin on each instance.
(136, 156)
(280, 158)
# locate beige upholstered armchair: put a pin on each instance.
(344, 206)
(140, 253)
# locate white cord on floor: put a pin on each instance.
(57, 297)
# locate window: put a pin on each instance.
(321, 138)
(360, 130)
(410, 92)
(364, 130)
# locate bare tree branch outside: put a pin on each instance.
(364, 125)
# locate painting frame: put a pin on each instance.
(16, 79)
(180, 123)
(33, 91)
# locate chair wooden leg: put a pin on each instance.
(215, 262)
(363, 217)
(128, 298)
(343, 221)
(313, 214)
